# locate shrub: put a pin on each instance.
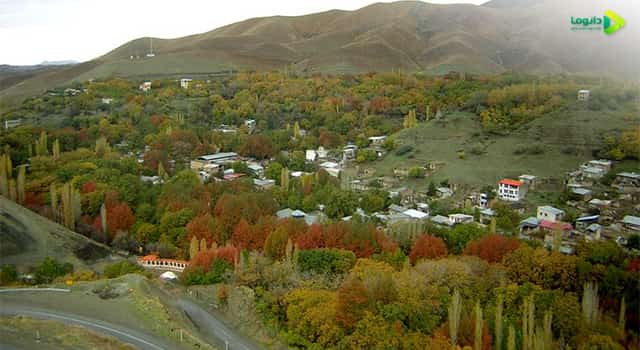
(402, 150)
(121, 268)
(416, 172)
(8, 274)
(325, 260)
(49, 269)
(197, 275)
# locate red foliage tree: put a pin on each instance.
(88, 187)
(203, 259)
(243, 234)
(119, 218)
(154, 157)
(33, 200)
(258, 146)
(352, 302)
(427, 247)
(228, 253)
(492, 248)
(312, 239)
(205, 226)
(634, 265)
(334, 234)
(379, 104)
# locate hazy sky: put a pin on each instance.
(32, 31)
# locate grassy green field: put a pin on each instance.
(566, 138)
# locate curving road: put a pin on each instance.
(215, 329)
(136, 338)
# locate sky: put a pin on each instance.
(32, 31)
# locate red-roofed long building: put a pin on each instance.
(511, 190)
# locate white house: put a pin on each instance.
(250, 124)
(529, 180)
(549, 213)
(256, 169)
(349, 151)
(416, 214)
(264, 184)
(631, 222)
(377, 140)
(311, 155)
(331, 167)
(592, 172)
(146, 86)
(444, 192)
(12, 123)
(460, 219)
(511, 190)
(184, 82)
(322, 153)
(106, 100)
(583, 95)
(213, 159)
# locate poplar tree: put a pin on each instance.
(528, 323)
(284, 179)
(103, 219)
(410, 120)
(498, 321)
(56, 149)
(20, 184)
(455, 307)
(54, 202)
(590, 302)
(102, 147)
(511, 339)
(203, 245)
(13, 193)
(194, 248)
(5, 174)
(477, 341)
(622, 317)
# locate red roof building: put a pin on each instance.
(550, 225)
(511, 190)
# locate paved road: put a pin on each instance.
(212, 327)
(139, 339)
(216, 331)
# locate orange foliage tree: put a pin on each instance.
(427, 247)
(492, 248)
(205, 226)
(352, 302)
(119, 218)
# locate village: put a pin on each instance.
(599, 212)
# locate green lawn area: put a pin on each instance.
(566, 138)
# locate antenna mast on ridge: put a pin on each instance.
(151, 54)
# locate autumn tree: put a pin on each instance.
(352, 302)
(205, 226)
(427, 247)
(194, 247)
(119, 218)
(276, 242)
(492, 248)
(257, 146)
(410, 120)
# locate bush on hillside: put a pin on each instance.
(121, 268)
(324, 260)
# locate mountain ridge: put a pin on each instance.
(531, 36)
